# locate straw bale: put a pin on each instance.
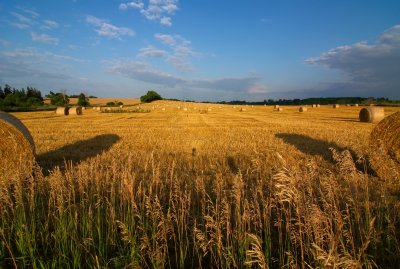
(75, 110)
(62, 111)
(385, 148)
(302, 109)
(314, 105)
(336, 106)
(276, 106)
(356, 105)
(17, 149)
(280, 109)
(318, 105)
(371, 114)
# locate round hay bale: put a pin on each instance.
(17, 149)
(385, 148)
(280, 109)
(356, 105)
(242, 109)
(314, 105)
(318, 105)
(302, 109)
(371, 114)
(276, 106)
(75, 110)
(62, 111)
(336, 106)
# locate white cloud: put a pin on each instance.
(143, 72)
(151, 51)
(372, 68)
(44, 38)
(137, 4)
(180, 51)
(34, 63)
(167, 39)
(156, 10)
(30, 12)
(257, 88)
(166, 21)
(103, 28)
(48, 24)
(23, 22)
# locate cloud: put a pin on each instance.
(243, 84)
(179, 52)
(151, 51)
(167, 39)
(103, 28)
(372, 68)
(137, 4)
(44, 38)
(156, 10)
(32, 63)
(48, 24)
(23, 22)
(143, 72)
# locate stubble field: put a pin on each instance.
(201, 185)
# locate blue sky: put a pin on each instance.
(202, 49)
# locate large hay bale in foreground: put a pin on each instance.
(17, 149)
(385, 148)
(372, 114)
(62, 111)
(75, 110)
(302, 109)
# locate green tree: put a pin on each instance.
(150, 96)
(83, 100)
(58, 99)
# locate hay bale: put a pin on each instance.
(302, 109)
(17, 149)
(242, 109)
(276, 106)
(385, 148)
(314, 105)
(371, 114)
(318, 105)
(336, 106)
(62, 111)
(280, 109)
(75, 110)
(356, 105)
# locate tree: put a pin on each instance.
(58, 99)
(83, 100)
(150, 96)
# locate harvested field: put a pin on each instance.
(206, 187)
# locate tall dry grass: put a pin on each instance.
(186, 190)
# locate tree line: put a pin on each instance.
(11, 97)
(321, 101)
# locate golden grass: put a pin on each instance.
(185, 189)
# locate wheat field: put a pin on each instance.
(209, 186)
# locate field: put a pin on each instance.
(201, 185)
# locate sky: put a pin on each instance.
(203, 50)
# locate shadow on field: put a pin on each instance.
(312, 146)
(76, 152)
